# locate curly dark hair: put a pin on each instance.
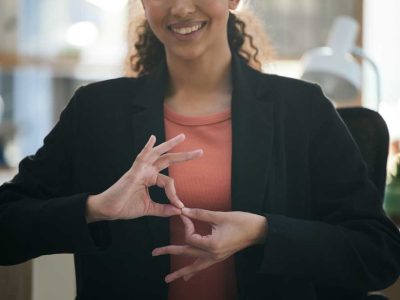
(150, 52)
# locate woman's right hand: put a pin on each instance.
(129, 197)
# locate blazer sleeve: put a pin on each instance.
(349, 242)
(39, 214)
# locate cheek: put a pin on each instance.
(218, 12)
(154, 19)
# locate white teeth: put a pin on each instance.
(186, 30)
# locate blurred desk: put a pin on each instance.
(15, 281)
(47, 277)
(393, 292)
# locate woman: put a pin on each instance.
(270, 199)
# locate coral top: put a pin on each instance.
(202, 183)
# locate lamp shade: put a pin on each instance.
(338, 74)
(333, 66)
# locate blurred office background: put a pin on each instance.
(49, 48)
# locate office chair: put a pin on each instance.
(371, 134)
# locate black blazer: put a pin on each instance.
(293, 161)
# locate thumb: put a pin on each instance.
(162, 210)
(208, 216)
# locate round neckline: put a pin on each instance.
(201, 120)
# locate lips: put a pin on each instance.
(185, 28)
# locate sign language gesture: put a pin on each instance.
(231, 232)
(129, 198)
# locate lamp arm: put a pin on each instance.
(360, 52)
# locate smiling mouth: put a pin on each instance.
(187, 29)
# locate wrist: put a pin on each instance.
(93, 210)
(261, 230)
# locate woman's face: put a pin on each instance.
(190, 28)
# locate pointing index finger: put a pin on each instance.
(166, 146)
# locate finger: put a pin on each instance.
(205, 243)
(143, 155)
(194, 239)
(198, 265)
(184, 250)
(171, 158)
(162, 210)
(189, 225)
(187, 277)
(165, 147)
(208, 216)
(168, 184)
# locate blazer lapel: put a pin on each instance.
(148, 119)
(252, 138)
(252, 142)
(252, 135)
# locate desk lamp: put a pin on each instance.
(334, 66)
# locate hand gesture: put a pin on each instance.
(231, 232)
(129, 197)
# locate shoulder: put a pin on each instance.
(294, 94)
(111, 86)
(297, 102)
(106, 93)
(287, 86)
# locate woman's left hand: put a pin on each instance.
(231, 232)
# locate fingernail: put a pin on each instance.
(154, 253)
(199, 151)
(168, 279)
(186, 210)
(180, 204)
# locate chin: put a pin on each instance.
(187, 55)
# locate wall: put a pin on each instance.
(382, 44)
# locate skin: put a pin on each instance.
(199, 72)
(231, 232)
(128, 198)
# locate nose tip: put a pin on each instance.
(183, 8)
